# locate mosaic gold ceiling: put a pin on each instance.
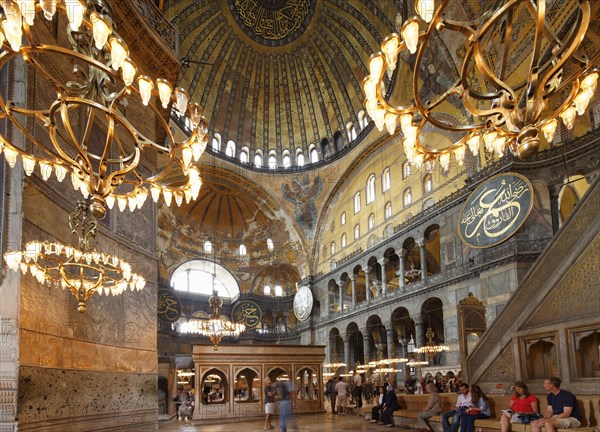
(278, 74)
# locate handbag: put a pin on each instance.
(472, 412)
(528, 418)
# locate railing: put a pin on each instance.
(157, 21)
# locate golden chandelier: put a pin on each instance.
(97, 127)
(430, 349)
(216, 327)
(82, 269)
(499, 103)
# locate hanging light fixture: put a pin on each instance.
(82, 269)
(430, 349)
(510, 112)
(93, 125)
(334, 364)
(216, 327)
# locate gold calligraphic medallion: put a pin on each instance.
(272, 22)
(248, 313)
(303, 303)
(495, 210)
(169, 306)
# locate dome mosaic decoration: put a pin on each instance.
(272, 22)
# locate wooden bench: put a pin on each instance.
(410, 405)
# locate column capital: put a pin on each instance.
(353, 278)
(383, 262)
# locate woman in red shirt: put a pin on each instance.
(521, 403)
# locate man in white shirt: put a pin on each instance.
(462, 405)
(342, 396)
(357, 392)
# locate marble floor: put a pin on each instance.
(308, 422)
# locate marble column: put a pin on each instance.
(347, 353)
(341, 291)
(400, 273)
(353, 282)
(368, 286)
(423, 262)
(383, 263)
(390, 340)
(366, 349)
(419, 332)
(554, 207)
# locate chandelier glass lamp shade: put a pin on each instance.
(216, 327)
(95, 125)
(81, 269)
(505, 104)
(430, 349)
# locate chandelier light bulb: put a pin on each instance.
(499, 145)
(110, 201)
(195, 114)
(410, 34)
(568, 117)
(445, 161)
(164, 91)
(418, 160)
(13, 33)
(376, 66)
(590, 81)
(459, 154)
(549, 130)
(12, 12)
(178, 198)
(389, 49)
(132, 203)
(181, 100)
(75, 13)
(45, 170)
(11, 156)
(146, 86)
(370, 89)
(28, 11)
(128, 71)
(582, 100)
(411, 134)
(168, 196)
(49, 8)
(488, 139)
(425, 9)
(60, 172)
(390, 122)
(473, 143)
(379, 118)
(101, 29)
(186, 156)
(155, 193)
(141, 196)
(118, 52)
(28, 165)
(122, 203)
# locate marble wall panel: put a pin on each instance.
(48, 394)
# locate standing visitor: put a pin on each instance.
(270, 392)
(357, 392)
(332, 392)
(285, 392)
(342, 395)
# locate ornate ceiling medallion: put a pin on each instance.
(273, 22)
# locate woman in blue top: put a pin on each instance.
(479, 410)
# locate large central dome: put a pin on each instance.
(277, 77)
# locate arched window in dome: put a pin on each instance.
(388, 210)
(332, 248)
(356, 202)
(201, 277)
(363, 120)
(270, 245)
(278, 291)
(371, 221)
(300, 157)
(386, 180)
(371, 189)
(407, 197)
(272, 160)
(356, 231)
(242, 250)
(230, 149)
(406, 169)
(286, 159)
(208, 247)
(216, 142)
(267, 290)
(427, 183)
(244, 155)
(314, 154)
(343, 241)
(350, 131)
(258, 160)
(343, 219)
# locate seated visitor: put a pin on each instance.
(376, 410)
(479, 409)
(390, 404)
(433, 408)
(523, 407)
(563, 410)
(462, 404)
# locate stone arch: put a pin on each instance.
(432, 249)
(355, 343)
(377, 336)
